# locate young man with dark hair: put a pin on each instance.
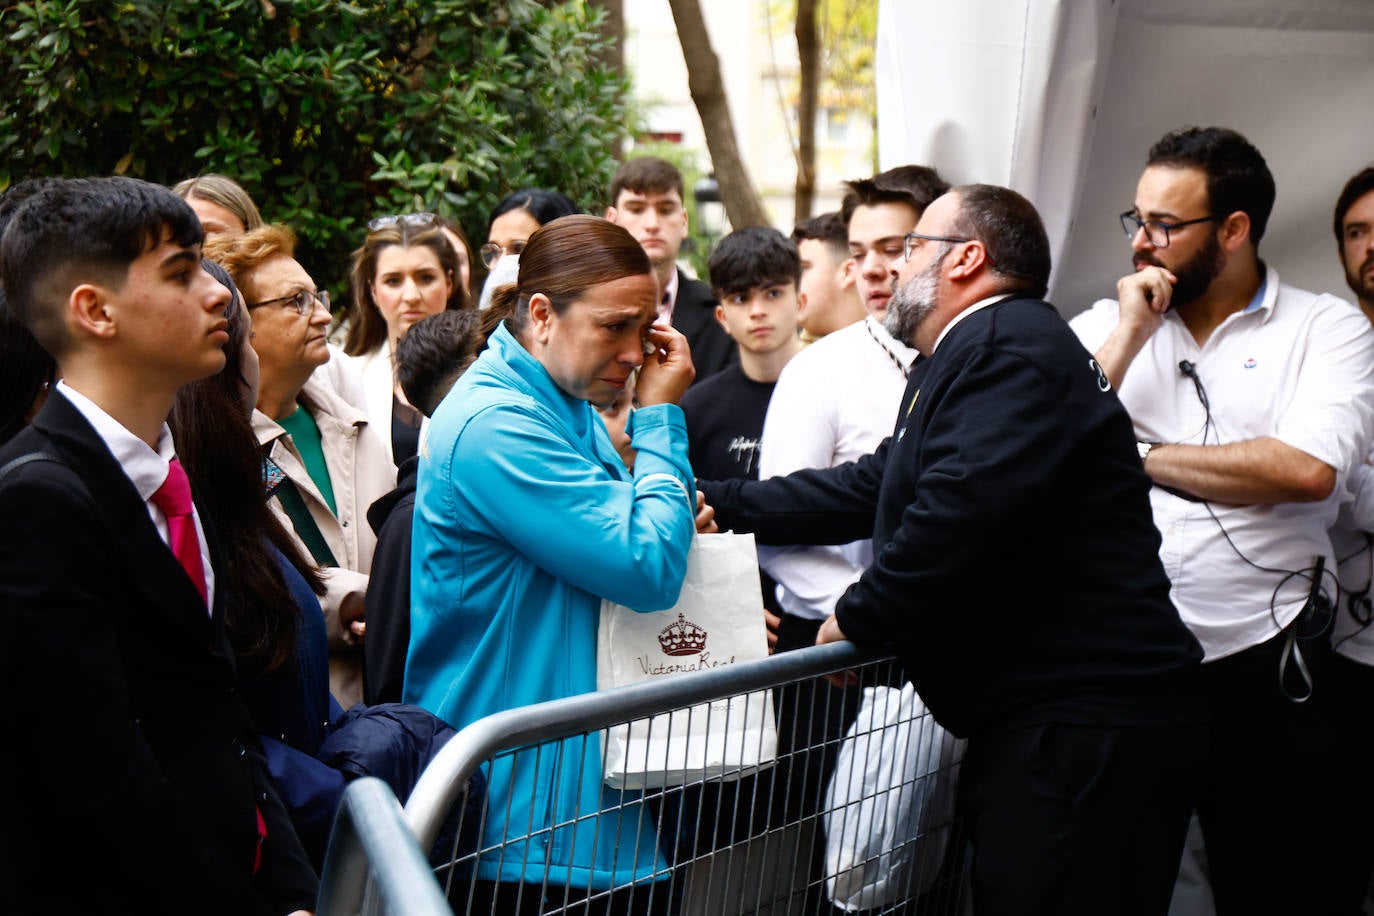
(827, 296)
(838, 399)
(1251, 401)
(112, 631)
(754, 274)
(1353, 224)
(646, 198)
(877, 212)
(1352, 538)
(432, 356)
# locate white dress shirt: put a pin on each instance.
(835, 401)
(146, 469)
(1293, 366)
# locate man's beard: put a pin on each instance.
(1195, 275)
(1361, 282)
(911, 304)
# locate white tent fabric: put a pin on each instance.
(1061, 99)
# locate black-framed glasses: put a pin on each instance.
(912, 239)
(492, 252)
(302, 300)
(412, 220)
(1157, 231)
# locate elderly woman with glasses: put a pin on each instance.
(407, 269)
(325, 463)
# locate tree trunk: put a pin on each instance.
(613, 57)
(613, 29)
(742, 204)
(808, 54)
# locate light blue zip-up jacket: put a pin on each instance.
(525, 518)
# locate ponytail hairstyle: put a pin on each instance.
(565, 258)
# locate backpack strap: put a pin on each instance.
(17, 463)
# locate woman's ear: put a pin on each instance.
(541, 317)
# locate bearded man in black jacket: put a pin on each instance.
(1016, 574)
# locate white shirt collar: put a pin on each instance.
(665, 311)
(145, 467)
(980, 304)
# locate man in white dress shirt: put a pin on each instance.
(1251, 400)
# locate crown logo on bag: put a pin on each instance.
(682, 638)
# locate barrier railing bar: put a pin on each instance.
(444, 778)
(371, 835)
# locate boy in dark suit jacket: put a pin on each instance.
(646, 198)
(136, 782)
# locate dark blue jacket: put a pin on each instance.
(314, 748)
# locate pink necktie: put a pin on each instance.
(174, 499)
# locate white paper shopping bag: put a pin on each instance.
(718, 620)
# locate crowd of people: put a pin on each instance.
(252, 548)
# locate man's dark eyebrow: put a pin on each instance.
(183, 254)
(885, 240)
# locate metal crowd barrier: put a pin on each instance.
(372, 854)
(801, 836)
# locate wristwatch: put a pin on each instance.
(1143, 448)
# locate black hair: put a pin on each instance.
(828, 228)
(544, 206)
(1358, 186)
(84, 230)
(215, 442)
(25, 367)
(753, 257)
(1011, 231)
(434, 354)
(1238, 178)
(914, 185)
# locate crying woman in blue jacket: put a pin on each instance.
(526, 517)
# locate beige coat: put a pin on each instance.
(369, 381)
(361, 472)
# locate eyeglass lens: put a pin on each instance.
(1156, 232)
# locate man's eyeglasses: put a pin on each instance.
(303, 301)
(912, 240)
(492, 252)
(411, 220)
(1157, 231)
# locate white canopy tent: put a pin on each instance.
(1061, 99)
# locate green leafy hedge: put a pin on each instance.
(328, 113)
